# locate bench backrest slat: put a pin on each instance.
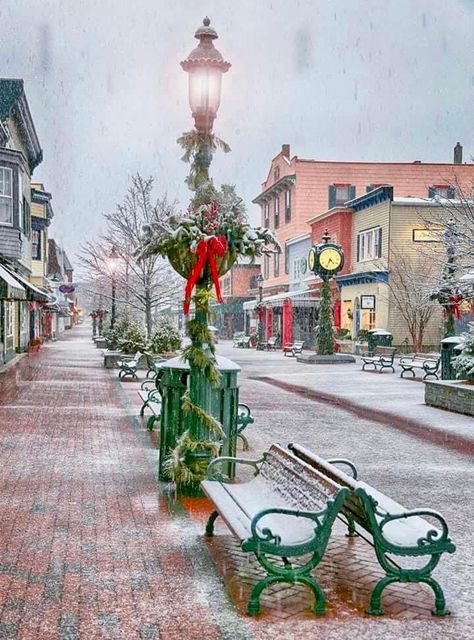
(297, 482)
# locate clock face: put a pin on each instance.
(312, 259)
(330, 259)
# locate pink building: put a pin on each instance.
(298, 190)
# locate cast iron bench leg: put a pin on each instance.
(210, 524)
(253, 607)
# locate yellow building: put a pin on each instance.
(396, 262)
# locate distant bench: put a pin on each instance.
(382, 357)
(429, 365)
(293, 349)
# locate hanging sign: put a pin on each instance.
(67, 288)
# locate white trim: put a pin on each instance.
(296, 239)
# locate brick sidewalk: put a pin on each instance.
(88, 548)
(91, 547)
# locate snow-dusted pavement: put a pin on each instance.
(409, 467)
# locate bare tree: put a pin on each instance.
(146, 284)
(411, 283)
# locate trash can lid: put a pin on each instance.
(223, 364)
(452, 340)
(380, 332)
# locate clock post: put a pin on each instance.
(326, 260)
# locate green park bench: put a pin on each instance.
(428, 364)
(128, 366)
(395, 530)
(272, 343)
(286, 511)
(381, 357)
(293, 349)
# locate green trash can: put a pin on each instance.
(378, 338)
(449, 349)
(224, 400)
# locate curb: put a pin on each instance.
(446, 439)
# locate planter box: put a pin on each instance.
(111, 358)
(101, 343)
(452, 395)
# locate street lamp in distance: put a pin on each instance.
(113, 265)
(260, 325)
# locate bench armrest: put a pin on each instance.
(148, 381)
(407, 360)
(433, 536)
(213, 474)
(366, 354)
(348, 463)
(266, 534)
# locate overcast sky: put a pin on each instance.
(336, 79)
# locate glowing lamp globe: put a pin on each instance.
(205, 66)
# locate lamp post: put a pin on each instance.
(260, 325)
(205, 66)
(113, 264)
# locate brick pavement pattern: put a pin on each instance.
(88, 548)
(91, 547)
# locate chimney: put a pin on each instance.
(458, 154)
(285, 150)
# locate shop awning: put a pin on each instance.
(34, 293)
(10, 288)
(299, 298)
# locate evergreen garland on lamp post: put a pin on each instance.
(326, 331)
(202, 244)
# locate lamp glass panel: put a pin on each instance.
(205, 90)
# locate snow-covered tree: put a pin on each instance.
(463, 364)
(147, 284)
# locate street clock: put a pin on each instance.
(326, 259)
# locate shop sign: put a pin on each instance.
(367, 302)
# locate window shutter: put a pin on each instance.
(332, 196)
(358, 248)
(368, 188)
(451, 193)
(379, 243)
(287, 256)
(431, 192)
(352, 192)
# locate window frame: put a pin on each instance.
(266, 267)
(287, 205)
(38, 255)
(366, 237)
(9, 328)
(3, 168)
(276, 211)
(276, 264)
(266, 215)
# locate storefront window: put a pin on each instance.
(9, 319)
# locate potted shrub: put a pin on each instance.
(463, 364)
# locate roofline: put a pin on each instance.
(302, 236)
(329, 212)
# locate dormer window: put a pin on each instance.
(6, 196)
(276, 174)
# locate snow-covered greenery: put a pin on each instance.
(463, 364)
(212, 213)
(166, 338)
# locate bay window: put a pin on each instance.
(6, 196)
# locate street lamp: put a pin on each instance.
(113, 264)
(260, 325)
(205, 66)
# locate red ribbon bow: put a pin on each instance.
(453, 306)
(206, 252)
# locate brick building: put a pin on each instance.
(302, 196)
(238, 286)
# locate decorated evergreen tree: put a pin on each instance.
(463, 364)
(326, 331)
